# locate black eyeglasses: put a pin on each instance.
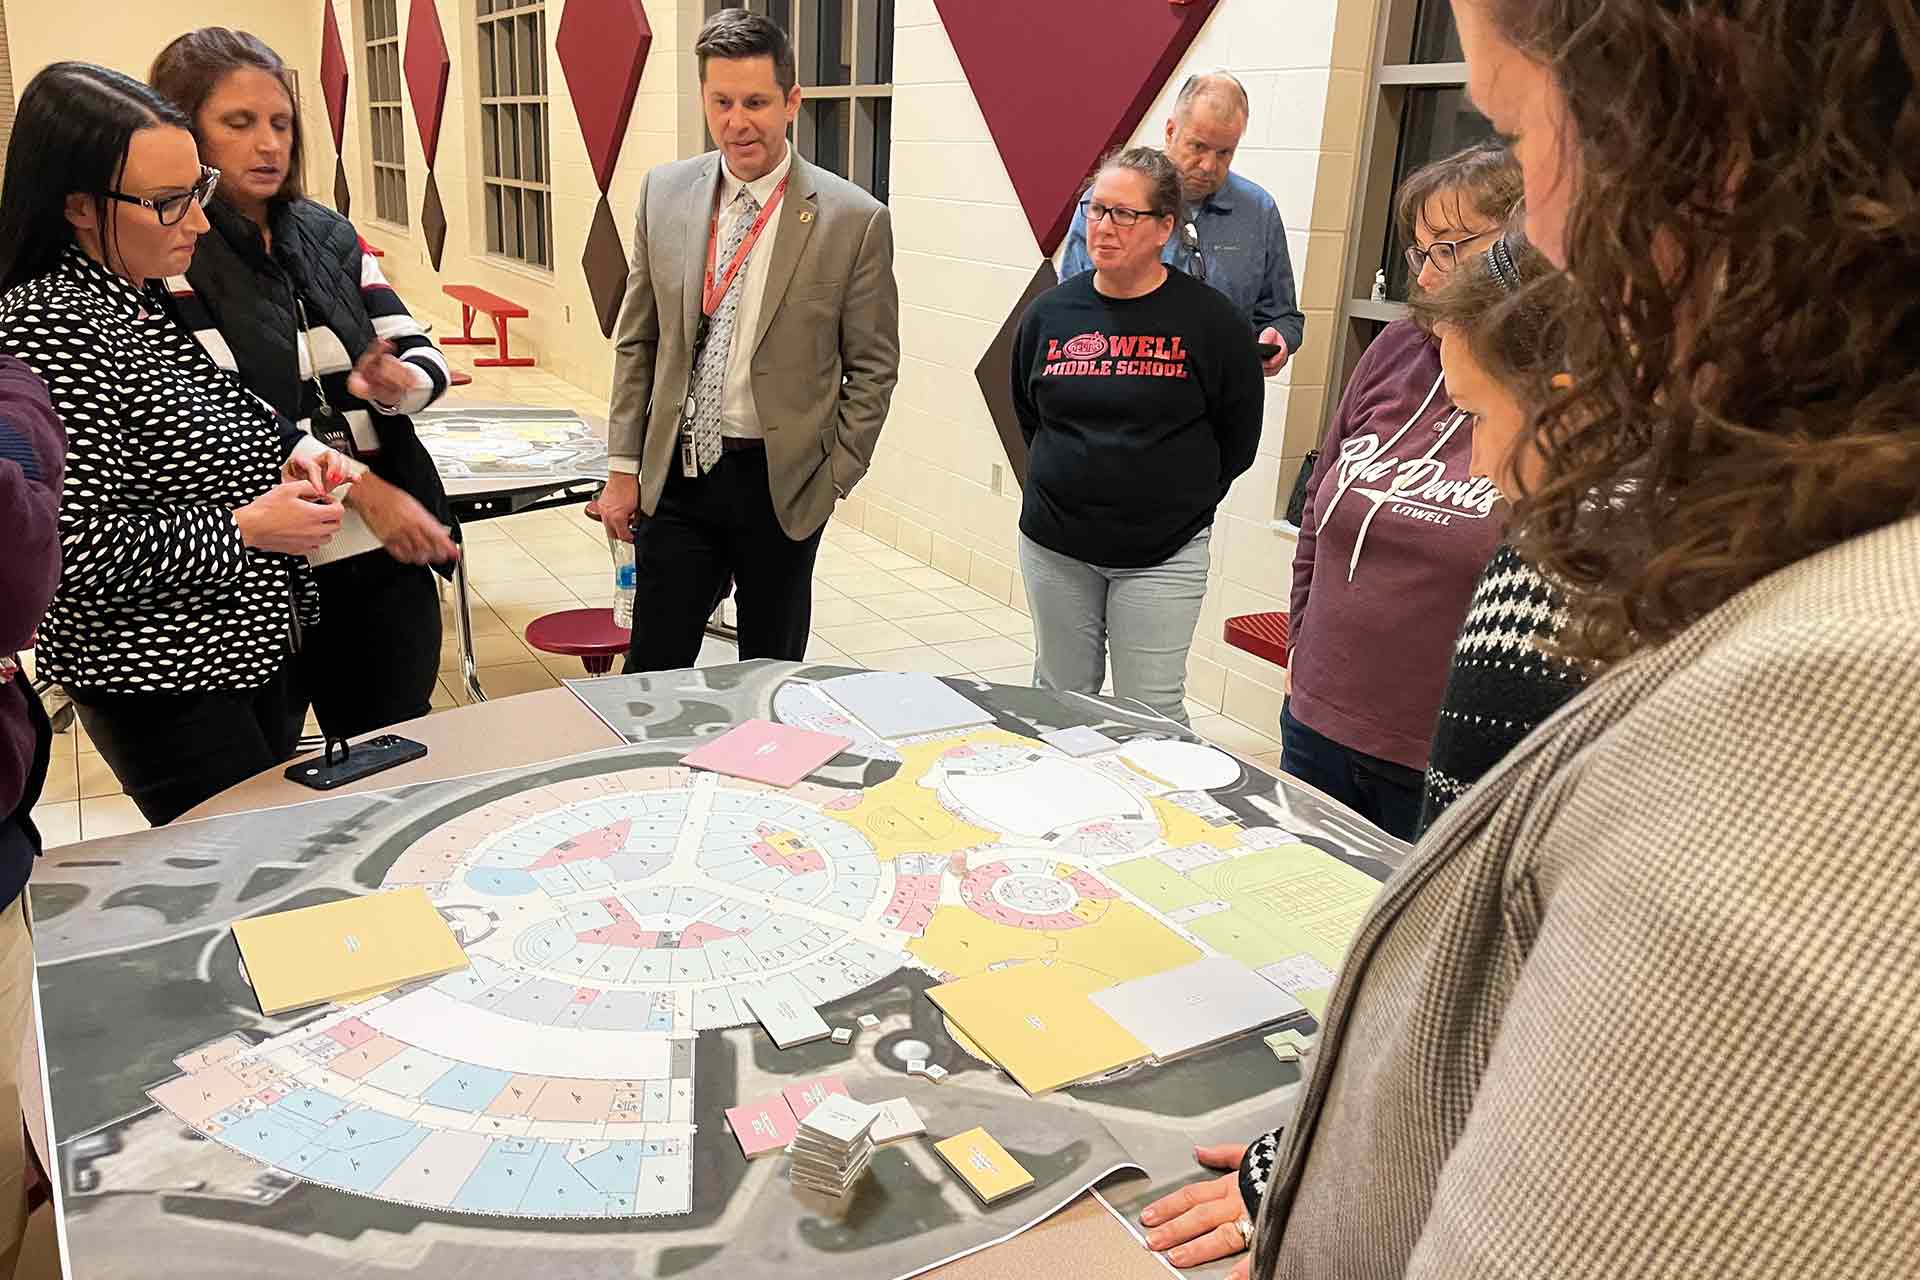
(1444, 253)
(1122, 216)
(170, 209)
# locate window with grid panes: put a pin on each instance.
(1418, 112)
(385, 129)
(845, 53)
(516, 182)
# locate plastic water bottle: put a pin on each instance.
(1380, 285)
(623, 583)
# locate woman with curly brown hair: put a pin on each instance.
(1647, 1001)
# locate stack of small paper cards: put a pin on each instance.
(768, 1124)
(834, 1145)
(983, 1165)
(778, 755)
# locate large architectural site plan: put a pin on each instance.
(559, 1103)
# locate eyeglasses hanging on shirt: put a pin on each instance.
(329, 425)
(1195, 263)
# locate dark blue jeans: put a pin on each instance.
(1384, 793)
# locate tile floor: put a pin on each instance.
(873, 607)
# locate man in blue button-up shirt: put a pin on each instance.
(1232, 235)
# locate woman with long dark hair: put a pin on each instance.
(282, 293)
(187, 507)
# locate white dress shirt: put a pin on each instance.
(739, 416)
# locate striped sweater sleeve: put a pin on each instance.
(393, 322)
(194, 316)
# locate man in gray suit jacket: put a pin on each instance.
(756, 353)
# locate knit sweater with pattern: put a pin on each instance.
(1501, 684)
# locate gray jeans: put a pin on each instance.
(1146, 616)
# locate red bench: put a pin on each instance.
(1264, 635)
(474, 301)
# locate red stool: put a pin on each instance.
(586, 634)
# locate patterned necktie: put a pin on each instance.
(711, 386)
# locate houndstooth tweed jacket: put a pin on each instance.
(1646, 1002)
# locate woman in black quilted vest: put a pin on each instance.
(283, 293)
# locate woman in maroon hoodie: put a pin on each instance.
(33, 452)
(1395, 531)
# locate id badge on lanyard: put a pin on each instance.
(713, 292)
(690, 407)
(329, 425)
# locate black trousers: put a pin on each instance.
(173, 750)
(374, 658)
(706, 530)
(1384, 793)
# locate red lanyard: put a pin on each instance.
(713, 290)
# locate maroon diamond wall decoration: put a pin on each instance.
(602, 46)
(994, 373)
(605, 263)
(333, 72)
(433, 221)
(426, 67)
(1053, 116)
(333, 86)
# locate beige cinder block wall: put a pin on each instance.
(126, 34)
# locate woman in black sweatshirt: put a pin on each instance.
(1140, 395)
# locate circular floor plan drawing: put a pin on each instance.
(651, 900)
(612, 914)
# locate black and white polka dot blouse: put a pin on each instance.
(157, 593)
